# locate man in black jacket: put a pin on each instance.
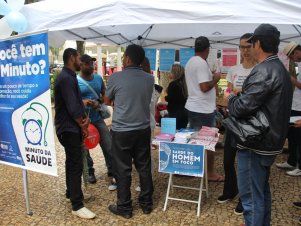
(268, 89)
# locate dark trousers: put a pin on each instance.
(181, 117)
(74, 167)
(294, 143)
(129, 147)
(230, 184)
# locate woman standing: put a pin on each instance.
(235, 77)
(177, 96)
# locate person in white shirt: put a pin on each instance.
(235, 77)
(201, 102)
(293, 163)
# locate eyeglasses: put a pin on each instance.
(245, 47)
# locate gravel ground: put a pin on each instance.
(50, 207)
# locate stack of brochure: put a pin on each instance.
(165, 137)
(183, 136)
(207, 136)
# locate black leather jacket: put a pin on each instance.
(268, 88)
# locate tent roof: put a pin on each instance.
(158, 23)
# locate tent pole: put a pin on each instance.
(99, 59)
(26, 194)
(119, 58)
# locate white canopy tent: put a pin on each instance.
(161, 23)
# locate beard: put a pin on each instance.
(87, 72)
(77, 66)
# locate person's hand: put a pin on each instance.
(227, 93)
(294, 80)
(88, 102)
(85, 132)
(94, 104)
(236, 91)
(297, 123)
(84, 126)
(216, 76)
(85, 123)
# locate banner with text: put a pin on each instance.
(184, 159)
(27, 138)
(167, 59)
(185, 55)
(151, 53)
(230, 58)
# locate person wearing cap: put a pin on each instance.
(201, 101)
(267, 89)
(131, 91)
(71, 123)
(92, 89)
(293, 163)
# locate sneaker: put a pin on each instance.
(239, 210)
(223, 199)
(297, 205)
(91, 178)
(84, 213)
(138, 188)
(113, 185)
(284, 165)
(294, 173)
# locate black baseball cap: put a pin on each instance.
(87, 59)
(267, 30)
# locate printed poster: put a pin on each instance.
(167, 59)
(230, 58)
(150, 53)
(26, 137)
(183, 159)
(185, 55)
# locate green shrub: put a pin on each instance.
(53, 77)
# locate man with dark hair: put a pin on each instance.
(131, 91)
(71, 124)
(267, 89)
(201, 102)
(235, 77)
(92, 89)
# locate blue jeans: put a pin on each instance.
(254, 188)
(105, 144)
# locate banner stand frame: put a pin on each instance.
(200, 189)
(26, 194)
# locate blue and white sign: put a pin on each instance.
(184, 159)
(26, 137)
(185, 55)
(167, 59)
(150, 53)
